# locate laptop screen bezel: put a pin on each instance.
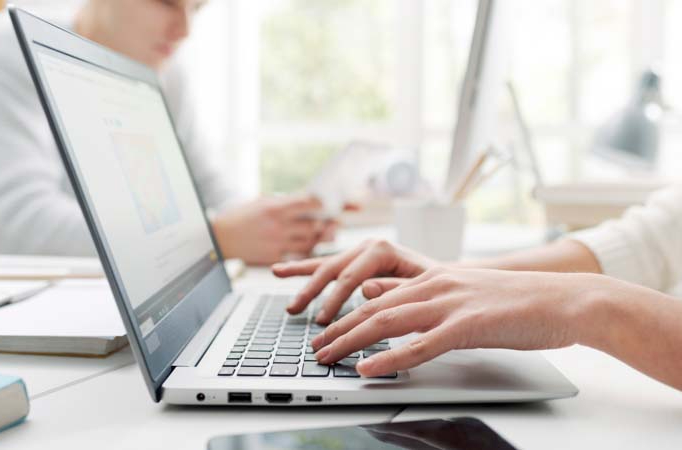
(178, 326)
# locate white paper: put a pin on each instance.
(16, 288)
(47, 266)
(74, 308)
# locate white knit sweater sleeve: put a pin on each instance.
(645, 245)
(38, 213)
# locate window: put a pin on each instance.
(283, 84)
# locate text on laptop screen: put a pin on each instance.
(135, 177)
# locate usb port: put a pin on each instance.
(313, 398)
(278, 398)
(239, 397)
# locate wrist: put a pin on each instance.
(222, 233)
(605, 312)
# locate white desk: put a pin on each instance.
(103, 403)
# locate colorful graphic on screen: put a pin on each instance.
(147, 180)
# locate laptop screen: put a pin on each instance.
(132, 167)
(129, 173)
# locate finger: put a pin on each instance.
(298, 268)
(300, 229)
(367, 310)
(328, 232)
(376, 287)
(422, 349)
(419, 279)
(301, 207)
(366, 265)
(323, 275)
(301, 245)
(387, 323)
(352, 207)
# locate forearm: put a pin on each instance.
(562, 256)
(637, 325)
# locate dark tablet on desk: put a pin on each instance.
(464, 433)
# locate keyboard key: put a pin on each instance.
(302, 321)
(388, 375)
(258, 355)
(226, 372)
(244, 336)
(295, 333)
(291, 339)
(310, 357)
(314, 370)
(242, 342)
(238, 349)
(264, 341)
(291, 345)
(251, 372)
(345, 372)
(309, 349)
(261, 348)
(266, 329)
(231, 363)
(354, 355)
(370, 353)
(255, 363)
(350, 362)
(267, 335)
(286, 359)
(273, 317)
(379, 347)
(288, 352)
(284, 370)
(234, 356)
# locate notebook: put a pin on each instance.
(74, 317)
(22, 267)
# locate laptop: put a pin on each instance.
(196, 340)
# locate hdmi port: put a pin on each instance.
(278, 398)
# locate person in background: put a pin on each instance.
(38, 210)
(604, 287)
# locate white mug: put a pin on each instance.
(433, 229)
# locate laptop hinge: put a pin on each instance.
(195, 349)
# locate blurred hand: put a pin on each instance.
(374, 258)
(463, 308)
(271, 229)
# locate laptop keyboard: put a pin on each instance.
(276, 344)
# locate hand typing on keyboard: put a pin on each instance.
(351, 269)
(274, 343)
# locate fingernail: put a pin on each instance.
(365, 365)
(321, 316)
(322, 355)
(318, 341)
(371, 289)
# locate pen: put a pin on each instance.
(8, 299)
(471, 175)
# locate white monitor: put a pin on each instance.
(482, 89)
